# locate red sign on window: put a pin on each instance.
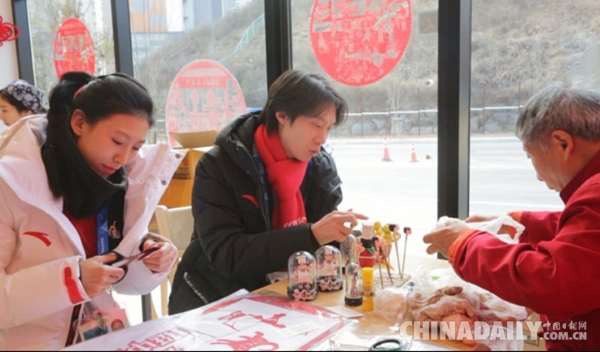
(359, 42)
(8, 31)
(204, 96)
(73, 48)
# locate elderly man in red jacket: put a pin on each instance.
(553, 269)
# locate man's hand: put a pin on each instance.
(480, 218)
(441, 239)
(332, 227)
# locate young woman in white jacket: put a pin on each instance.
(76, 187)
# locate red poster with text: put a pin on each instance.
(73, 48)
(204, 96)
(358, 42)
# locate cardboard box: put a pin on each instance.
(187, 167)
(192, 145)
(534, 343)
(178, 194)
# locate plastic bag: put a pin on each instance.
(390, 304)
(394, 304)
(439, 296)
(448, 278)
(492, 226)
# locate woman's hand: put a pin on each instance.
(162, 259)
(96, 276)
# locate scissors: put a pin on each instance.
(391, 344)
(121, 261)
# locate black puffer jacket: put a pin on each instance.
(233, 246)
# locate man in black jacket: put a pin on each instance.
(265, 191)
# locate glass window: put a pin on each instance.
(70, 35)
(203, 68)
(158, 21)
(138, 5)
(382, 57)
(518, 47)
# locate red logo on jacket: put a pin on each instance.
(40, 236)
(251, 198)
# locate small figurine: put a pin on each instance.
(353, 290)
(348, 250)
(367, 256)
(301, 272)
(329, 277)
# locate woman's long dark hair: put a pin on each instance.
(98, 98)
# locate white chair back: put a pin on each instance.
(176, 224)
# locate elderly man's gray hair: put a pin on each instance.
(573, 108)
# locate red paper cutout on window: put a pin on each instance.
(73, 48)
(204, 96)
(359, 42)
(8, 31)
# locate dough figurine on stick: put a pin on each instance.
(407, 232)
(367, 256)
(383, 249)
(395, 236)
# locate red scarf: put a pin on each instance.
(285, 176)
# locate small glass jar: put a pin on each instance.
(329, 271)
(353, 287)
(349, 250)
(301, 277)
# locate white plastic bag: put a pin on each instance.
(492, 226)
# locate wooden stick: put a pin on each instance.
(380, 272)
(407, 232)
(397, 254)
(387, 266)
(404, 257)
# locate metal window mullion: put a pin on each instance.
(278, 33)
(122, 36)
(454, 89)
(23, 42)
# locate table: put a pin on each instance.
(371, 324)
(215, 324)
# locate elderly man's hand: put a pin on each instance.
(441, 239)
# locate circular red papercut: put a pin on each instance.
(359, 42)
(204, 96)
(73, 48)
(8, 31)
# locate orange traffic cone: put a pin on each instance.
(413, 155)
(386, 152)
